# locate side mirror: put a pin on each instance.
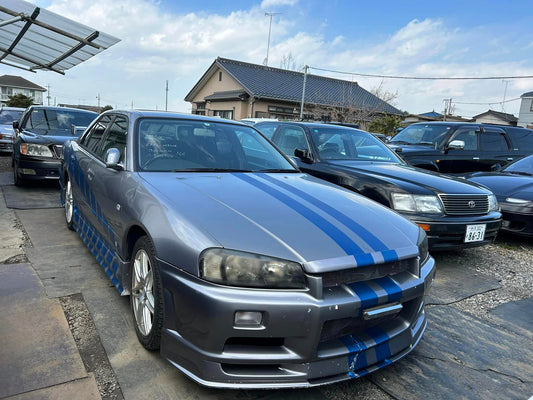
(112, 157)
(456, 145)
(15, 124)
(304, 155)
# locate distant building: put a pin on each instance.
(495, 117)
(11, 85)
(431, 117)
(236, 90)
(525, 117)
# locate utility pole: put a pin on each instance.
(98, 97)
(447, 108)
(265, 62)
(166, 97)
(48, 97)
(504, 94)
(306, 68)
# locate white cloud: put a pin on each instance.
(274, 3)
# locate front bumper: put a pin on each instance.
(306, 338)
(35, 168)
(448, 232)
(6, 143)
(517, 220)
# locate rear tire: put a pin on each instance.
(146, 297)
(69, 205)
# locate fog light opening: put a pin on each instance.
(28, 171)
(248, 318)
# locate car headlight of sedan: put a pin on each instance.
(416, 203)
(236, 268)
(36, 150)
(517, 201)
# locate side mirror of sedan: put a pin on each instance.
(304, 155)
(15, 124)
(456, 145)
(112, 158)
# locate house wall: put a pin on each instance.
(491, 119)
(525, 116)
(6, 91)
(215, 85)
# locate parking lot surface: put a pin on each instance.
(66, 333)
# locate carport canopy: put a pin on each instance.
(33, 39)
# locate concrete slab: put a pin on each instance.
(67, 269)
(36, 347)
(6, 178)
(47, 227)
(143, 374)
(516, 316)
(454, 283)
(32, 197)
(83, 389)
(461, 356)
(11, 235)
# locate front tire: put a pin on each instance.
(146, 297)
(18, 180)
(69, 205)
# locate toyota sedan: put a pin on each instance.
(242, 270)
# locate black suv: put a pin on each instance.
(455, 147)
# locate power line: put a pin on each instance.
(424, 78)
(488, 104)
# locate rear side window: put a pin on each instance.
(493, 141)
(521, 138)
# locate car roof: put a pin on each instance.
(311, 125)
(12, 108)
(134, 114)
(60, 108)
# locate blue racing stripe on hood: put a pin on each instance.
(357, 357)
(354, 226)
(327, 227)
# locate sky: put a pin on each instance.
(178, 40)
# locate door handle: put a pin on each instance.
(475, 158)
(90, 174)
(509, 158)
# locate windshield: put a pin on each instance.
(350, 144)
(43, 120)
(523, 166)
(425, 134)
(179, 145)
(8, 116)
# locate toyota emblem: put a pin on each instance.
(471, 204)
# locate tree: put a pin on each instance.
(386, 124)
(19, 100)
(105, 108)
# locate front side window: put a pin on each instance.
(166, 145)
(91, 140)
(115, 138)
(469, 136)
(290, 138)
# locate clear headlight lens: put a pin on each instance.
(514, 200)
(36, 150)
(416, 203)
(236, 268)
(493, 203)
(423, 246)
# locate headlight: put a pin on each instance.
(514, 200)
(423, 246)
(38, 150)
(235, 268)
(493, 203)
(416, 203)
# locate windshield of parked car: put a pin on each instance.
(424, 134)
(184, 145)
(521, 167)
(350, 144)
(8, 116)
(56, 121)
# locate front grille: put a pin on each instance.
(56, 150)
(374, 271)
(464, 204)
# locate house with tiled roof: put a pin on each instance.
(235, 90)
(525, 116)
(495, 117)
(11, 85)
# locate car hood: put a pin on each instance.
(290, 216)
(506, 185)
(408, 177)
(52, 136)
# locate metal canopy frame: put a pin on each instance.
(33, 39)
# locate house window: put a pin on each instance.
(227, 114)
(220, 76)
(531, 106)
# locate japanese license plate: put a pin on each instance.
(475, 233)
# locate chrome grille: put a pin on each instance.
(465, 204)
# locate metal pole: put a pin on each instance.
(303, 93)
(166, 97)
(269, 30)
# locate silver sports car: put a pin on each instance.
(241, 269)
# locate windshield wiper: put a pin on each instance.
(518, 173)
(277, 170)
(211, 170)
(399, 142)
